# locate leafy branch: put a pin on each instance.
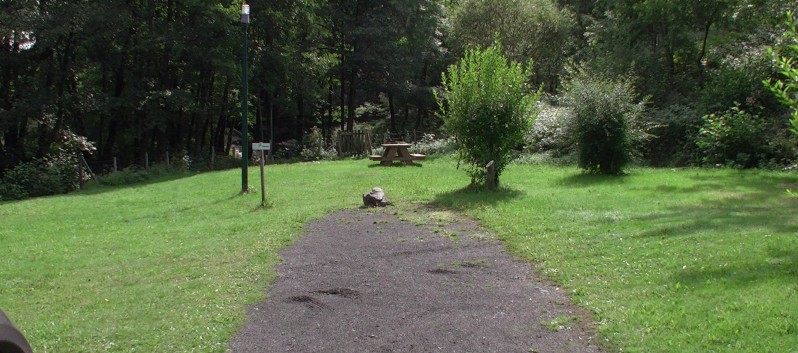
(786, 89)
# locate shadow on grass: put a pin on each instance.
(723, 208)
(468, 197)
(94, 188)
(155, 214)
(728, 202)
(781, 264)
(705, 181)
(585, 180)
(395, 165)
(734, 216)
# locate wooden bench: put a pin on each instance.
(417, 157)
(375, 157)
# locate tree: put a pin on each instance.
(786, 88)
(664, 44)
(536, 30)
(384, 47)
(488, 104)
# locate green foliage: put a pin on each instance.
(604, 111)
(57, 174)
(675, 129)
(735, 138)
(430, 145)
(733, 84)
(313, 147)
(12, 191)
(488, 105)
(550, 132)
(786, 88)
(288, 149)
(529, 30)
(133, 175)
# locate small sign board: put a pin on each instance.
(261, 146)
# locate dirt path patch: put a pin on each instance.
(371, 281)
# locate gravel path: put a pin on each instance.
(368, 281)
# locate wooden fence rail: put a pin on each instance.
(352, 143)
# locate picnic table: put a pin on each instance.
(396, 151)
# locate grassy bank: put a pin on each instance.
(685, 260)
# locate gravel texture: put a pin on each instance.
(371, 280)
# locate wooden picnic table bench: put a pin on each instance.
(397, 151)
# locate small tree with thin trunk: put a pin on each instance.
(488, 104)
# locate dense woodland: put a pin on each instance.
(118, 78)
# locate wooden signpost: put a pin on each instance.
(262, 146)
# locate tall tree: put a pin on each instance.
(530, 30)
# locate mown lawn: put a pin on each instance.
(667, 260)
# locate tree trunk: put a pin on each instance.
(702, 53)
(327, 126)
(300, 119)
(406, 116)
(392, 112)
(343, 98)
(221, 126)
(421, 115)
(351, 102)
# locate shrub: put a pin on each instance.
(733, 84)
(550, 132)
(313, 147)
(488, 105)
(12, 192)
(130, 175)
(786, 87)
(674, 130)
(288, 149)
(430, 145)
(604, 111)
(36, 178)
(740, 139)
(181, 162)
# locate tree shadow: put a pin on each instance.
(726, 207)
(395, 165)
(469, 196)
(95, 188)
(185, 209)
(743, 179)
(585, 180)
(730, 203)
(780, 264)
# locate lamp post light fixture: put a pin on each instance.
(244, 98)
(245, 13)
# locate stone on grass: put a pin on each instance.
(375, 198)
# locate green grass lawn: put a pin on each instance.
(667, 260)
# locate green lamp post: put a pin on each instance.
(244, 96)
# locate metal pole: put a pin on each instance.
(244, 97)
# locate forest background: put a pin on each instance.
(134, 79)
